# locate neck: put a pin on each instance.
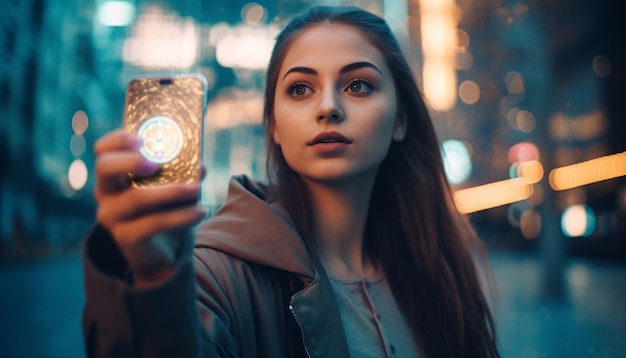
(340, 214)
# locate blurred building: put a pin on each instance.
(522, 80)
(547, 74)
(45, 47)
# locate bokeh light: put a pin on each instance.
(514, 82)
(77, 145)
(161, 39)
(456, 160)
(578, 220)
(530, 224)
(116, 13)
(525, 121)
(245, 47)
(463, 39)
(601, 66)
(439, 85)
(439, 32)
(511, 116)
(492, 195)
(77, 174)
(80, 122)
(531, 171)
(583, 127)
(469, 92)
(591, 171)
(523, 152)
(253, 14)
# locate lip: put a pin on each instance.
(329, 143)
(329, 138)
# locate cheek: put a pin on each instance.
(382, 121)
(285, 133)
(378, 133)
(290, 121)
(280, 128)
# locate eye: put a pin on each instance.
(360, 86)
(299, 90)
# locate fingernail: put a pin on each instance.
(132, 140)
(137, 143)
(148, 166)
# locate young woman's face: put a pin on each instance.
(335, 105)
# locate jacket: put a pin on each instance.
(251, 289)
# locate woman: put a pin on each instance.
(354, 249)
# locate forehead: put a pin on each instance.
(331, 44)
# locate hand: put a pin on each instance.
(151, 226)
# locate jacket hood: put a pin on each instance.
(254, 227)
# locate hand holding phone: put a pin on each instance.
(167, 114)
(151, 226)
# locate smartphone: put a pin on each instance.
(167, 112)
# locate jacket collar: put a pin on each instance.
(252, 226)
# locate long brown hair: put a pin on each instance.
(413, 228)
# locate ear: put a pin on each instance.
(399, 130)
(275, 134)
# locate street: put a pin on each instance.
(41, 304)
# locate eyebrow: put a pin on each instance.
(347, 68)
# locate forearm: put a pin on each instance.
(122, 320)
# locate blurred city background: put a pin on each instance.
(528, 98)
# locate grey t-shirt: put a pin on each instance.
(372, 320)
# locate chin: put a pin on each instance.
(340, 178)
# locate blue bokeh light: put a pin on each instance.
(456, 160)
(578, 221)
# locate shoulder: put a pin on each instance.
(234, 276)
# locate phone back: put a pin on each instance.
(167, 113)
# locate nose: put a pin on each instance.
(330, 107)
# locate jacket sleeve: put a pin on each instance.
(120, 320)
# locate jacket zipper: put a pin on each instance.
(293, 313)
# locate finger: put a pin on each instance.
(152, 262)
(135, 232)
(133, 203)
(117, 140)
(112, 169)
